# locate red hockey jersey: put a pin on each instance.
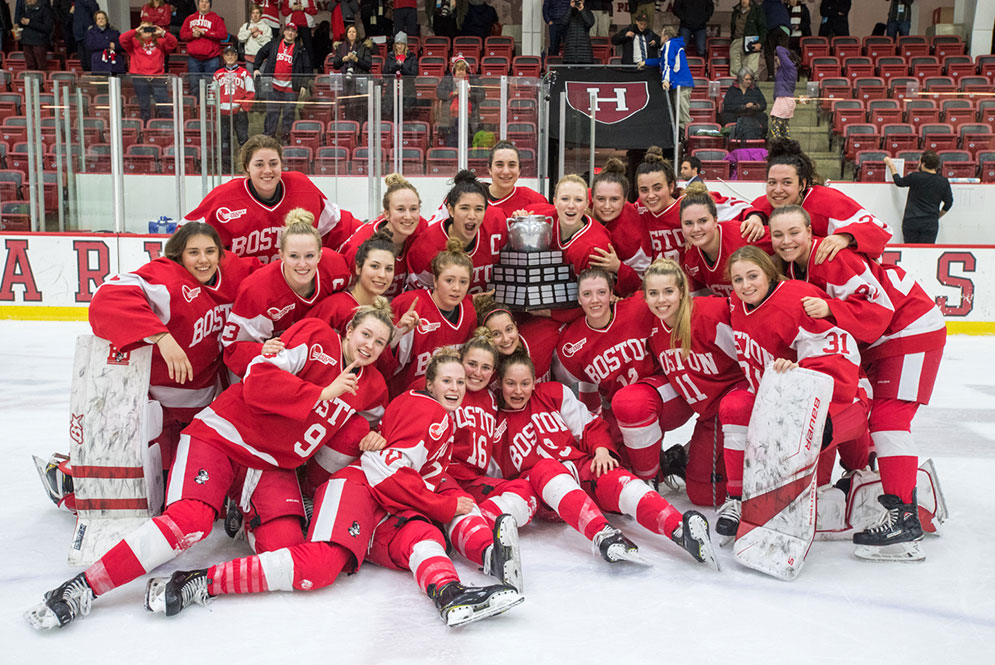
(602, 361)
(351, 245)
(434, 330)
(162, 296)
(577, 250)
(405, 474)
(266, 306)
(236, 90)
(712, 366)
(539, 336)
(880, 305)
(520, 198)
(780, 328)
(336, 310)
(250, 228)
(473, 441)
(664, 227)
(491, 236)
(832, 212)
(632, 245)
(712, 276)
(274, 417)
(554, 424)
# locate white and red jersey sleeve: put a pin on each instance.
(711, 368)
(577, 250)
(405, 474)
(266, 306)
(473, 442)
(250, 228)
(602, 361)
(162, 296)
(779, 328)
(729, 208)
(706, 274)
(632, 245)
(275, 417)
(433, 331)
(236, 90)
(520, 198)
(553, 425)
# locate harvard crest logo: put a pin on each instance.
(76, 427)
(613, 102)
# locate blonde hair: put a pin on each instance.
(574, 178)
(396, 182)
(758, 257)
(299, 222)
(680, 334)
(442, 355)
(452, 255)
(480, 338)
(380, 310)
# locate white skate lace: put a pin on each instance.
(195, 591)
(78, 596)
(885, 522)
(731, 509)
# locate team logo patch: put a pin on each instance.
(76, 427)
(354, 529)
(694, 270)
(437, 430)
(226, 215)
(425, 326)
(189, 294)
(613, 102)
(202, 477)
(275, 313)
(318, 354)
(118, 357)
(571, 349)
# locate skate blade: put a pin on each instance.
(632, 556)
(497, 604)
(155, 595)
(698, 529)
(41, 617)
(907, 552)
(507, 539)
(727, 541)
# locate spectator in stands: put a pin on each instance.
(801, 23)
(323, 42)
(448, 92)
(552, 12)
(271, 15)
(254, 34)
(203, 32)
(899, 18)
(301, 13)
(783, 109)
(575, 27)
(479, 20)
(147, 48)
(674, 72)
(376, 19)
(638, 41)
(235, 93)
(835, 18)
(103, 43)
(778, 31)
(62, 18)
(406, 17)
(353, 58)
(6, 23)
(36, 20)
(400, 59)
(157, 12)
(286, 63)
(602, 11)
(350, 14)
(745, 105)
(691, 170)
(694, 16)
(181, 10)
(82, 12)
(749, 31)
(927, 191)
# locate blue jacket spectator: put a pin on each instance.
(104, 45)
(552, 13)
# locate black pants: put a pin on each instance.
(918, 231)
(240, 123)
(775, 37)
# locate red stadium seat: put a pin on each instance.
(957, 164)
(871, 166)
(713, 163)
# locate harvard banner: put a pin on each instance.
(630, 107)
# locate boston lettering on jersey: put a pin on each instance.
(527, 439)
(612, 359)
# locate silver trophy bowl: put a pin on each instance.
(530, 233)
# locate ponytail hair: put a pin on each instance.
(299, 222)
(516, 358)
(382, 240)
(680, 334)
(380, 310)
(480, 339)
(465, 182)
(697, 194)
(654, 162)
(788, 152)
(594, 272)
(442, 356)
(612, 172)
(396, 182)
(487, 307)
(453, 254)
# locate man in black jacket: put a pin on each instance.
(36, 20)
(287, 66)
(638, 41)
(835, 18)
(694, 16)
(928, 190)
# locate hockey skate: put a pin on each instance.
(692, 535)
(614, 547)
(62, 604)
(503, 559)
(234, 527)
(169, 595)
(896, 536)
(728, 516)
(461, 605)
(673, 466)
(57, 479)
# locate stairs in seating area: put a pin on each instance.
(813, 138)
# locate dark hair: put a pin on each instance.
(178, 241)
(465, 182)
(788, 152)
(382, 239)
(696, 194)
(930, 160)
(694, 162)
(593, 273)
(612, 172)
(258, 142)
(516, 358)
(503, 145)
(654, 162)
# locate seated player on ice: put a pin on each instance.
(535, 336)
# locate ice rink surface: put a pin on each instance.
(578, 608)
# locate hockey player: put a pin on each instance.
(710, 242)
(537, 336)
(430, 319)
(628, 256)
(381, 508)
(481, 229)
(402, 217)
(693, 346)
(373, 275)
(772, 330)
(547, 436)
(902, 334)
(792, 180)
(246, 445)
(504, 192)
(283, 292)
(249, 212)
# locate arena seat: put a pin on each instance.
(957, 164)
(871, 166)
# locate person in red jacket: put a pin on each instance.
(505, 166)
(158, 13)
(204, 32)
(147, 48)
